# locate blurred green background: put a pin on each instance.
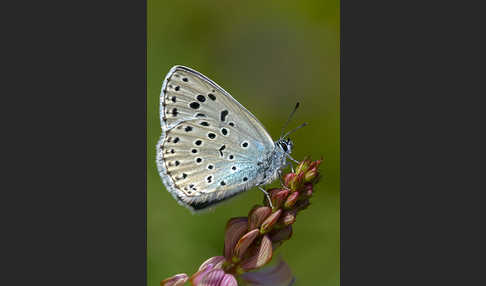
(268, 55)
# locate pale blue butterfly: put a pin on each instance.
(212, 148)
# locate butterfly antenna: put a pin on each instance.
(288, 119)
(295, 129)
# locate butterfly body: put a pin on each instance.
(211, 147)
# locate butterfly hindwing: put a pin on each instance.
(210, 144)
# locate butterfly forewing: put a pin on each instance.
(210, 144)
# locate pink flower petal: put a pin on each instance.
(245, 242)
(235, 228)
(228, 280)
(197, 277)
(212, 278)
(176, 280)
(216, 261)
(257, 215)
(262, 255)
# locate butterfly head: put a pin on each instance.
(285, 144)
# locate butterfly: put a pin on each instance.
(212, 148)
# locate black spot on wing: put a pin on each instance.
(221, 150)
(201, 98)
(224, 113)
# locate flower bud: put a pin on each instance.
(278, 197)
(308, 190)
(315, 164)
(270, 221)
(310, 175)
(261, 256)
(244, 243)
(176, 280)
(301, 205)
(303, 166)
(288, 178)
(291, 200)
(257, 215)
(235, 228)
(288, 217)
(296, 183)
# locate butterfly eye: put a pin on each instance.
(284, 147)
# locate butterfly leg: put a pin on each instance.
(295, 161)
(291, 167)
(266, 194)
(281, 179)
